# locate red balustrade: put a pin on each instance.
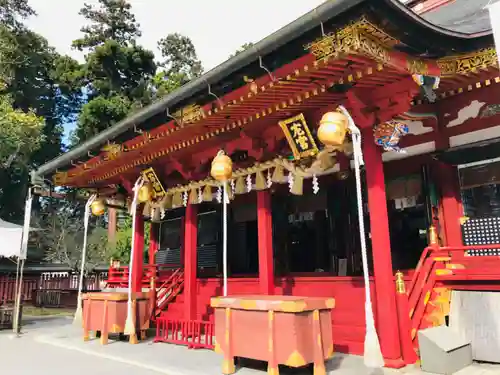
(170, 289)
(454, 267)
(195, 334)
(118, 276)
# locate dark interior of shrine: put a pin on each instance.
(313, 234)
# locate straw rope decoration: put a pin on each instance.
(263, 174)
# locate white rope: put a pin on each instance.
(78, 319)
(22, 257)
(372, 354)
(129, 323)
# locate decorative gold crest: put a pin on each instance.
(60, 178)
(189, 114)
(112, 151)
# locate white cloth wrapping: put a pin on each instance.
(11, 236)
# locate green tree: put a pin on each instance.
(48, 83)
(179, 64)
(61, 239)
(36, 84)
(120, 249)
(13, 12)
(179, 56)
(99, 114)
(117, 72)
(20, 133)
(242, 48)
(110, 20)
(116, 69)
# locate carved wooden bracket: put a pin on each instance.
(382, 104)
(182, 166)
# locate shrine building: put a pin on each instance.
(423, 91)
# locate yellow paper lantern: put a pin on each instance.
(98, 207)
(222, 167)
(332, 129)
(145, 193)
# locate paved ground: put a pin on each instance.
(55, 347)
(26, 356)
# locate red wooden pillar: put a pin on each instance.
(451, 205)
(154, 241)
(265, 230)
(385, 291)
(138, 252)
(190, 260)
(154, 244)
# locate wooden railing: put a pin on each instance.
(8, 289)
(170, 289)
(453, 267)
(118, 276)
(42, 283)
(195, 334)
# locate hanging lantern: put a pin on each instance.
(388, 135)
(222, 167)
(332, 129)
(145, 193)
(98, 207)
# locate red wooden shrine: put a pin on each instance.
(383, 63)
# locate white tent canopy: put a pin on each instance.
(11, 236)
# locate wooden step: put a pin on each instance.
(444, 272)
(455, 266)
(441, 259)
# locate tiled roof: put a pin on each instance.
(464, 16)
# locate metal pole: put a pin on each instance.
(17, 325)
(224, 235)
(18, 264)
(77, 319)
(22, 257)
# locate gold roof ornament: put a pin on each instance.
(112, 150)
(189, 114)
(60, 178)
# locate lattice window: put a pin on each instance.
(482, 231)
